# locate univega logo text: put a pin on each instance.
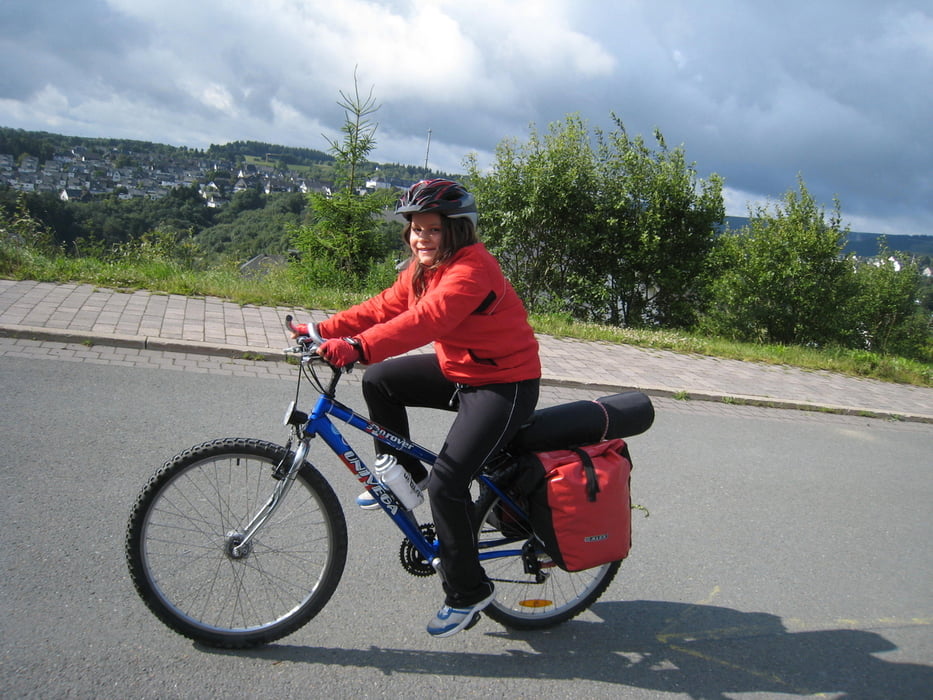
(365, 476)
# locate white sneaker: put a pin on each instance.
(366, 501)
(448, 621)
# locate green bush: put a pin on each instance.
(782, 280)
(887, 313)
(785, 280)
(618, 233)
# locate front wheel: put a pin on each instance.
(181, 545)
(531, 591)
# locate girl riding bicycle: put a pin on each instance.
(485, 366)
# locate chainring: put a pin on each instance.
(411, 558)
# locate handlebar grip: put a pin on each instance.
(307, 330)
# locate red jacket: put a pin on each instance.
(478, 324)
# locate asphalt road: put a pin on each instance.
(786, 554)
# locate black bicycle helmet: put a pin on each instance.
(444, 197)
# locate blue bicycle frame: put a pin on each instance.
(319, 424)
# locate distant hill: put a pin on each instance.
(268, 151)
(866, 245)
(310, 162)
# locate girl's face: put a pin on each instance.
(425, 237)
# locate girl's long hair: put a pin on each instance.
(455, 234)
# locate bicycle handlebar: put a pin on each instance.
(312, 333)
(308, 345)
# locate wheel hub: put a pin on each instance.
(232, 548)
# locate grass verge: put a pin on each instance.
(858, 363)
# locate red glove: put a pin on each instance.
(340, 352)
(308, 330)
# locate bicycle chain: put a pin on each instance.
(411, 558)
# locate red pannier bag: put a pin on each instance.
(579, 503)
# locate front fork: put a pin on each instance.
(285, 479)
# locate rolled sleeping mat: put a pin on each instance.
(585, 422)
(630, 413)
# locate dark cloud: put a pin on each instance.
(760, 93)
(78, 45)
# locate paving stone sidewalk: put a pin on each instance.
(146, 320)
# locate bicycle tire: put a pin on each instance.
(521, 601)
(179, 535)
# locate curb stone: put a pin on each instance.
(271, 354)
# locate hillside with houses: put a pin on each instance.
(81, 173)
(75, 168)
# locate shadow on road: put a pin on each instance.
(702, 651)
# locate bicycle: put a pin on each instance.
(238, 542)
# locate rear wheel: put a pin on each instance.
(181, 545)
(531, 591)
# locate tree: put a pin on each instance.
(537, 211)
(341, 239)
(887, 315)
(615, 234)
(658, 220)
(244, 200)
(784, 279)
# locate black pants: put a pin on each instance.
(487, 418)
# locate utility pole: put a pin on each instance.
(427, 152)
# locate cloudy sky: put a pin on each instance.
(837, 91)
